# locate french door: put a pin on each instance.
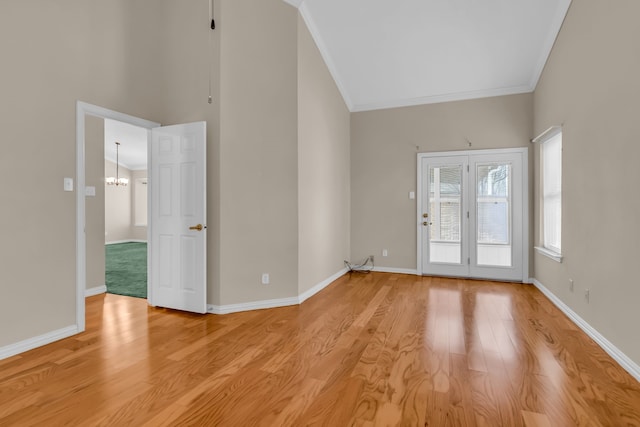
(472, 211)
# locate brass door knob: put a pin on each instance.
(198, 227)
(426, 223)
(425, 215)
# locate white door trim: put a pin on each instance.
(525, 200)
(83, 109)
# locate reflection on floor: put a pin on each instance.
(371, 349)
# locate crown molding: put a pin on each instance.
(552, 36)
(324, 52)
(435, 99)
(555, 26)
(294, 3)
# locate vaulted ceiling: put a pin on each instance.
(392, 53)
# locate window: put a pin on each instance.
(551, 194)
(140, 202)
(446, 207)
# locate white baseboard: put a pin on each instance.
(254, 305)
(95, 291)
(624, 361)
(274, 303)
(396, 270)
(115, 242)
(320, 286)
(31, 343)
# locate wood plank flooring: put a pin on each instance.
(370, 350)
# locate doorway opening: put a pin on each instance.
(176, 229)
(125, 208)
(85, 114)
(473, 214)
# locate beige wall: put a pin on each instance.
(590, 85)
(180, 55)
(52, 55)
(323, 168)
(384, 146)
(95, 209)
(118, 206)
(149, 59)
(258, 150)
(253, 121)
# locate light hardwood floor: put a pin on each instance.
(370, 350)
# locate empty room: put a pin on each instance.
(356, 213)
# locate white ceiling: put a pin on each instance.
(386, 54)
(133, 144)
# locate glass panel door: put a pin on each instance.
(445, 205)
(444, 214)
(496, 216)
(471, 214)
(493, 214)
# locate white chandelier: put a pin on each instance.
(116, 180)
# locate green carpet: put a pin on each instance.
(126, 269)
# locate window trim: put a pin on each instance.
(547, 135)
(548, 253)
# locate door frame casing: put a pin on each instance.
(82, 110)
(524, 151)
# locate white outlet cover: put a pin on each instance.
(68, 184)
(90, 191)
(412, 195)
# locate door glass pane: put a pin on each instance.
(445, 205)
(493, 216)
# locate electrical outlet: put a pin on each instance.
(586, 295)
(385, 252)
(571, 285)
(68, 184)
(265, 278)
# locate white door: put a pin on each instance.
(177, 179)
(472, 214)
(496, 216)
(443, 215)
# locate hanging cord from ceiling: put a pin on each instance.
(212, 27)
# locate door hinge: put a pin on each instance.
(467, 168)
(467, 214)
(468, 261)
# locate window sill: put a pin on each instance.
(550, 254)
